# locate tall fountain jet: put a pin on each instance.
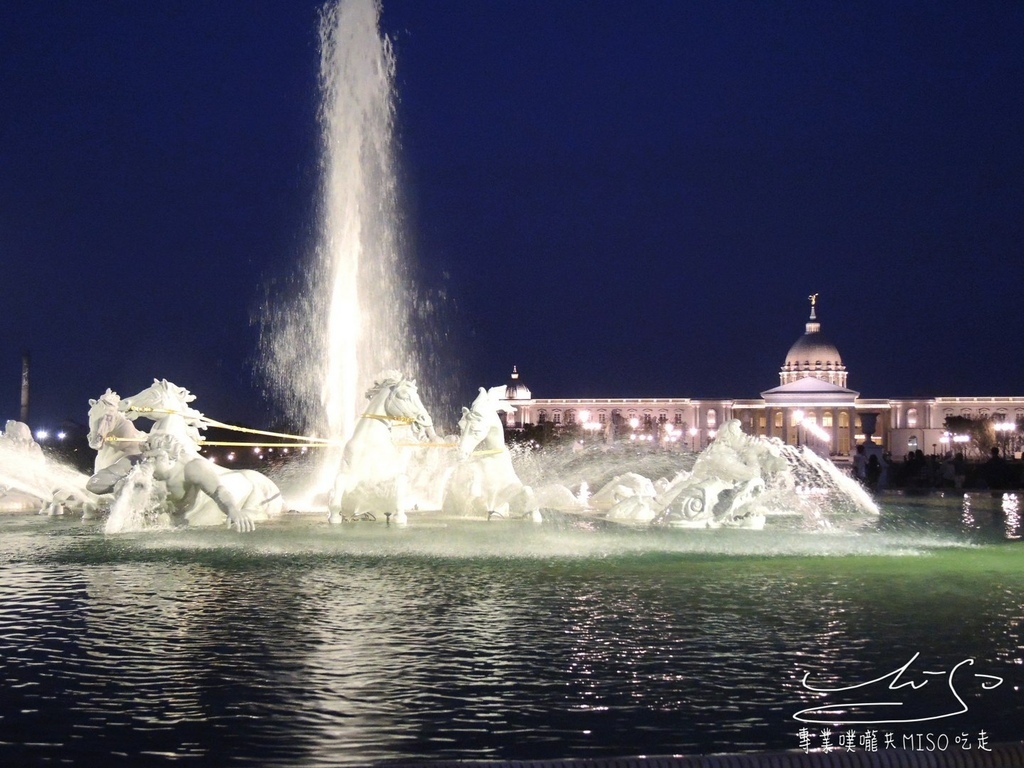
(351, 317)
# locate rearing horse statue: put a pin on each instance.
(167, 405)
(117, 441)
(485, 483)
(373, 476)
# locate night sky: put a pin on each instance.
(622, 198)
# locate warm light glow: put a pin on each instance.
(817, 431)
(584, 416)
(634, 422)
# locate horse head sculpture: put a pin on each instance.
(398, 399)
(480, 427)
(104, 416)
(167, 405)
(159, 399)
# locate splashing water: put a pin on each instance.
(817, 491)
(137, 507)
(28, 479)
(802, 486)
(351, 318)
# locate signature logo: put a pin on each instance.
(896, 697)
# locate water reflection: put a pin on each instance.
(305, 646)
(1011, 515)
(980, 510)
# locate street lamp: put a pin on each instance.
(798, 417)
(811, 426)
(1004, 428)
(587, 424)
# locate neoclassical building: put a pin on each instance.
(811, 406)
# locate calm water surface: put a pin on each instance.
(311, 645)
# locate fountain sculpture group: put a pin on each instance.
(395, 464)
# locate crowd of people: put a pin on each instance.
(917, 471)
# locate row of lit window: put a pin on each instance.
(797, 366)
(983, 413)
(647, 418)
(809, 417)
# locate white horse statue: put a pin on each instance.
(167, 405)
(485, 484)
(116, 440)
(374, 475)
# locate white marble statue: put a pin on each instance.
(171, 449)
(23, 482)
(116, 440)
(167, 406)
(18, 436)
(627, 497)
(191, 482)
(377, 461)
(484, 482)
(726, 479)
(32, 482)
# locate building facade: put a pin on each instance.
(811, 406)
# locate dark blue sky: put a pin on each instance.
(622, 198)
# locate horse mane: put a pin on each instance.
(386, 380)
(110, 397)
(174, 389)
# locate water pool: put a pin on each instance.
(308, 644)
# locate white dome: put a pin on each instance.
(516, 389)
(812, 355)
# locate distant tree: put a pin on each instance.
(981, 432)
(541, 434)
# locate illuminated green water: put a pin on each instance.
(317, 645)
